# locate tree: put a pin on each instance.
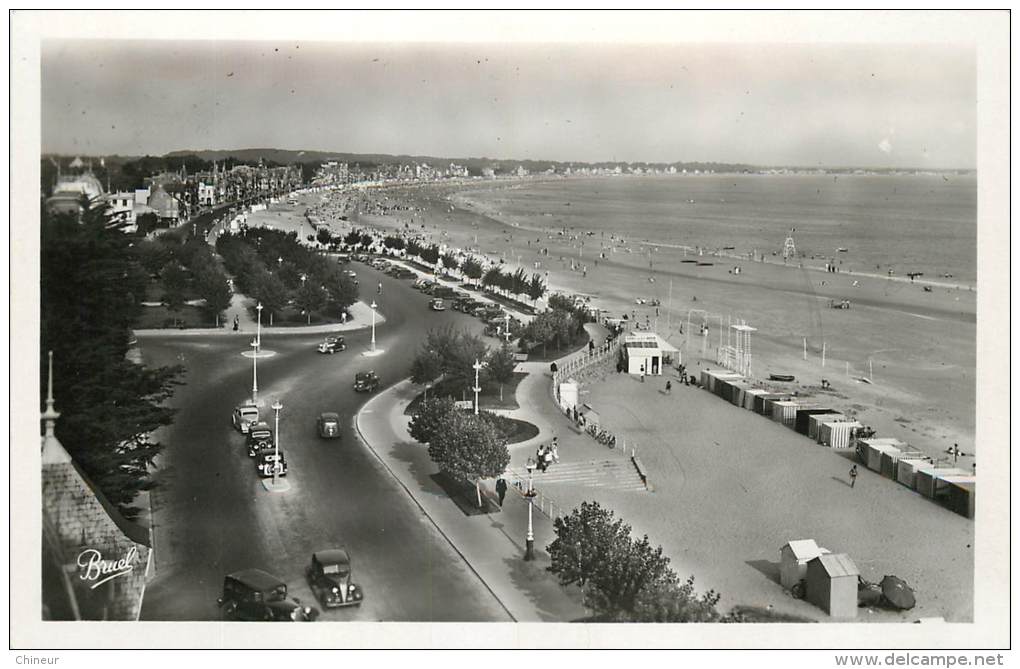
(175, 286)
(542, 329)
(152, 255)
(352, 238)
(109, 405)
(323, 236)
(622, 579)
(448, 261)
(492, 277)
(427, 366)
(501, 364)
(147, 223)
(270, 291)
(310, 297)
(429, 417)
(366, 241)
(472, 269)
(536, 288)
(468, 449)
(212, 286)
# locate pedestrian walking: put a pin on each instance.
(237, 322)
(853, 476)
(378, 291)
(956, 452)
(548, 459)
(501, 490)
(555, 448)
(540, 457)
(642, 373)
(669, 387)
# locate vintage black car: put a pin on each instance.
(333, 345)
(266, 461)
(329, 576)
(366, 382)
(328, 425)
(252, 594)
(437, 305)
(260, 436)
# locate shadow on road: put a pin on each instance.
(553, 603)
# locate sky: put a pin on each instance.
(882, 106)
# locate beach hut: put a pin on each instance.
(958, 494)
(927, 480)
(793, 559)
(769, 401)
(837, 434)
(739, 392)
(832, 584)
(881, 455)
(906, 470)
(726, 386)
(785, 412)
(568, 395)
(647, 352)
(815, 420)
(751, 395)
(804, 412)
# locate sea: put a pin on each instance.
(862, 223)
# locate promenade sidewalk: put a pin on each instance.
(361, 317)
(492, 544)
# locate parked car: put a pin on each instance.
(343, 258)
(253, 594)
(260, 436)
(333, 345)
(489, 311)
(366, 382)
(329, 577)
(350, 274)
(266, 461)
(328, 425)
(437, 305)
(244, 416)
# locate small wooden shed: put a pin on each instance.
(832, 584)
(793, 559)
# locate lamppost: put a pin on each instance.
(308, 311)
(506, 330)
(373, 306)
(477, 366)
(258, 335)
(529, 541)
(276, 443)
(254, 372)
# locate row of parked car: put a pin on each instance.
(492, 314)
(256, 595)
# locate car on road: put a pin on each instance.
(252, 594)
(328, 425)
(269, 459)
(333, 345)
(260, 436)
(437, 305)
(366, 382)
(244, 416)
(350, 274)
(329, 577)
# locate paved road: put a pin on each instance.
(212, 516)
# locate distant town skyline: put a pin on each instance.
(871, 106)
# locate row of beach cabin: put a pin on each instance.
(954, 488)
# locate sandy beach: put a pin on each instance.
(916, 347)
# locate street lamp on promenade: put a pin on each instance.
(258, 335)
(277, 405)
(373, 306)
(506, 331)
(254, 372)
(477, 367)
(529, 541)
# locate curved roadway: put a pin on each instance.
(211, 515)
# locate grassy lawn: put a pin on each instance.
(548, 353)
(291, 317)
(161, 317)
(487, 399)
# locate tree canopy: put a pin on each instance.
(90, 287)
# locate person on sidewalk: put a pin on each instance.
(237, 322)
(669, 387)
(853, 476)
(642, 373)
(556, 449)
(548, 459)
(501, 490)
(540, 457)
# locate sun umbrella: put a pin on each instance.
(897, 592)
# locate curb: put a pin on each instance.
(361, 437)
